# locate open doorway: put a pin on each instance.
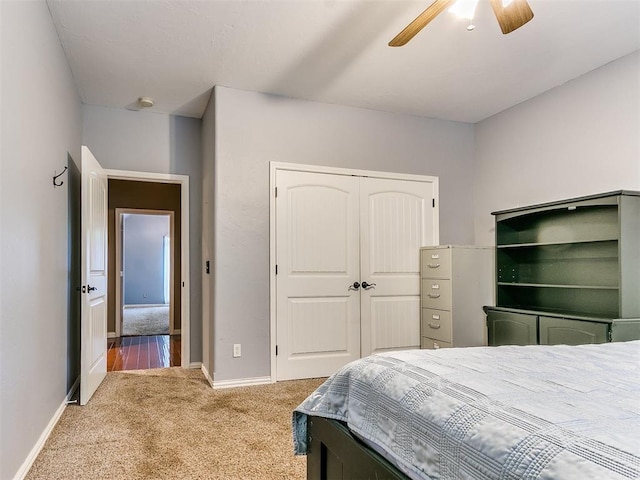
(165, 284)
(144, 256)
(145, 302)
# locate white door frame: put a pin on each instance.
(273, 168)
(183, 181)
(119, 300)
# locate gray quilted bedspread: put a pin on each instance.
(535, 412)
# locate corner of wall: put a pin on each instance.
(208, 226)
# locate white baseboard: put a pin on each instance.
(35, 451)
(241, 382)
(112, 335)
(206, 375)
(195, 365)
(146, 305)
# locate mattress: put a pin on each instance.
(510, 412)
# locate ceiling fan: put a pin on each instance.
(511, 15)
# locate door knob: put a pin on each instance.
(91, 289)
(368, 286)
(355, 286)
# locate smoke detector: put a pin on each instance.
(145, 102)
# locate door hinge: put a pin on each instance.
(276, 192)
(433, 202)
(276, 269)
(276, 350)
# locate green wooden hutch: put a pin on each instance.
(568, 272)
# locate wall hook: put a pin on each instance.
(55, 177)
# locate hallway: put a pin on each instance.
(143, 352)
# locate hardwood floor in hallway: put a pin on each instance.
(143, 352)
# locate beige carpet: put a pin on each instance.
(170, 424)
(141, 320)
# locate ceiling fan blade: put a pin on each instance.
(420, 22)
(513, 16)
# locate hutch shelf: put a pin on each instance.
(568, 272)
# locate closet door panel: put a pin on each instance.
(318, 316)
(395, 322)
(396, 219)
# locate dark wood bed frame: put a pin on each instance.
(335, 454)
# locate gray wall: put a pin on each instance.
(208, 238)
(577, 139)
(40, 127)
(252, 129)
(157, 143)
(143, 262)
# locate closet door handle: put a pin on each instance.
(355, 286)
(368, 286)
(91, 289)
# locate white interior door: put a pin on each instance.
(93, 360)
(396, 219)
(317, 251)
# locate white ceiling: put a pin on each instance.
(334, 51)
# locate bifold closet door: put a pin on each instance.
(318, 315)
(396, 219)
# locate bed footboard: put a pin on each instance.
(335, 454)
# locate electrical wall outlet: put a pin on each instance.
(237, 350)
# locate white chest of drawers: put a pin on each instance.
(456, 282)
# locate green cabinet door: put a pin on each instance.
(557, 331)
(507, 328)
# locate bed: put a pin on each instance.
(511, 412)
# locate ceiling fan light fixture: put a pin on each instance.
(464, 8)
(511, 15)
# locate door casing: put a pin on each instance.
(273, 168)
(119, 249)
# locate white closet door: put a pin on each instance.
(318, 316)
(396, 219)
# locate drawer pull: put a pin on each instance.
(433, 265)
(435, 326)
(434, 295)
